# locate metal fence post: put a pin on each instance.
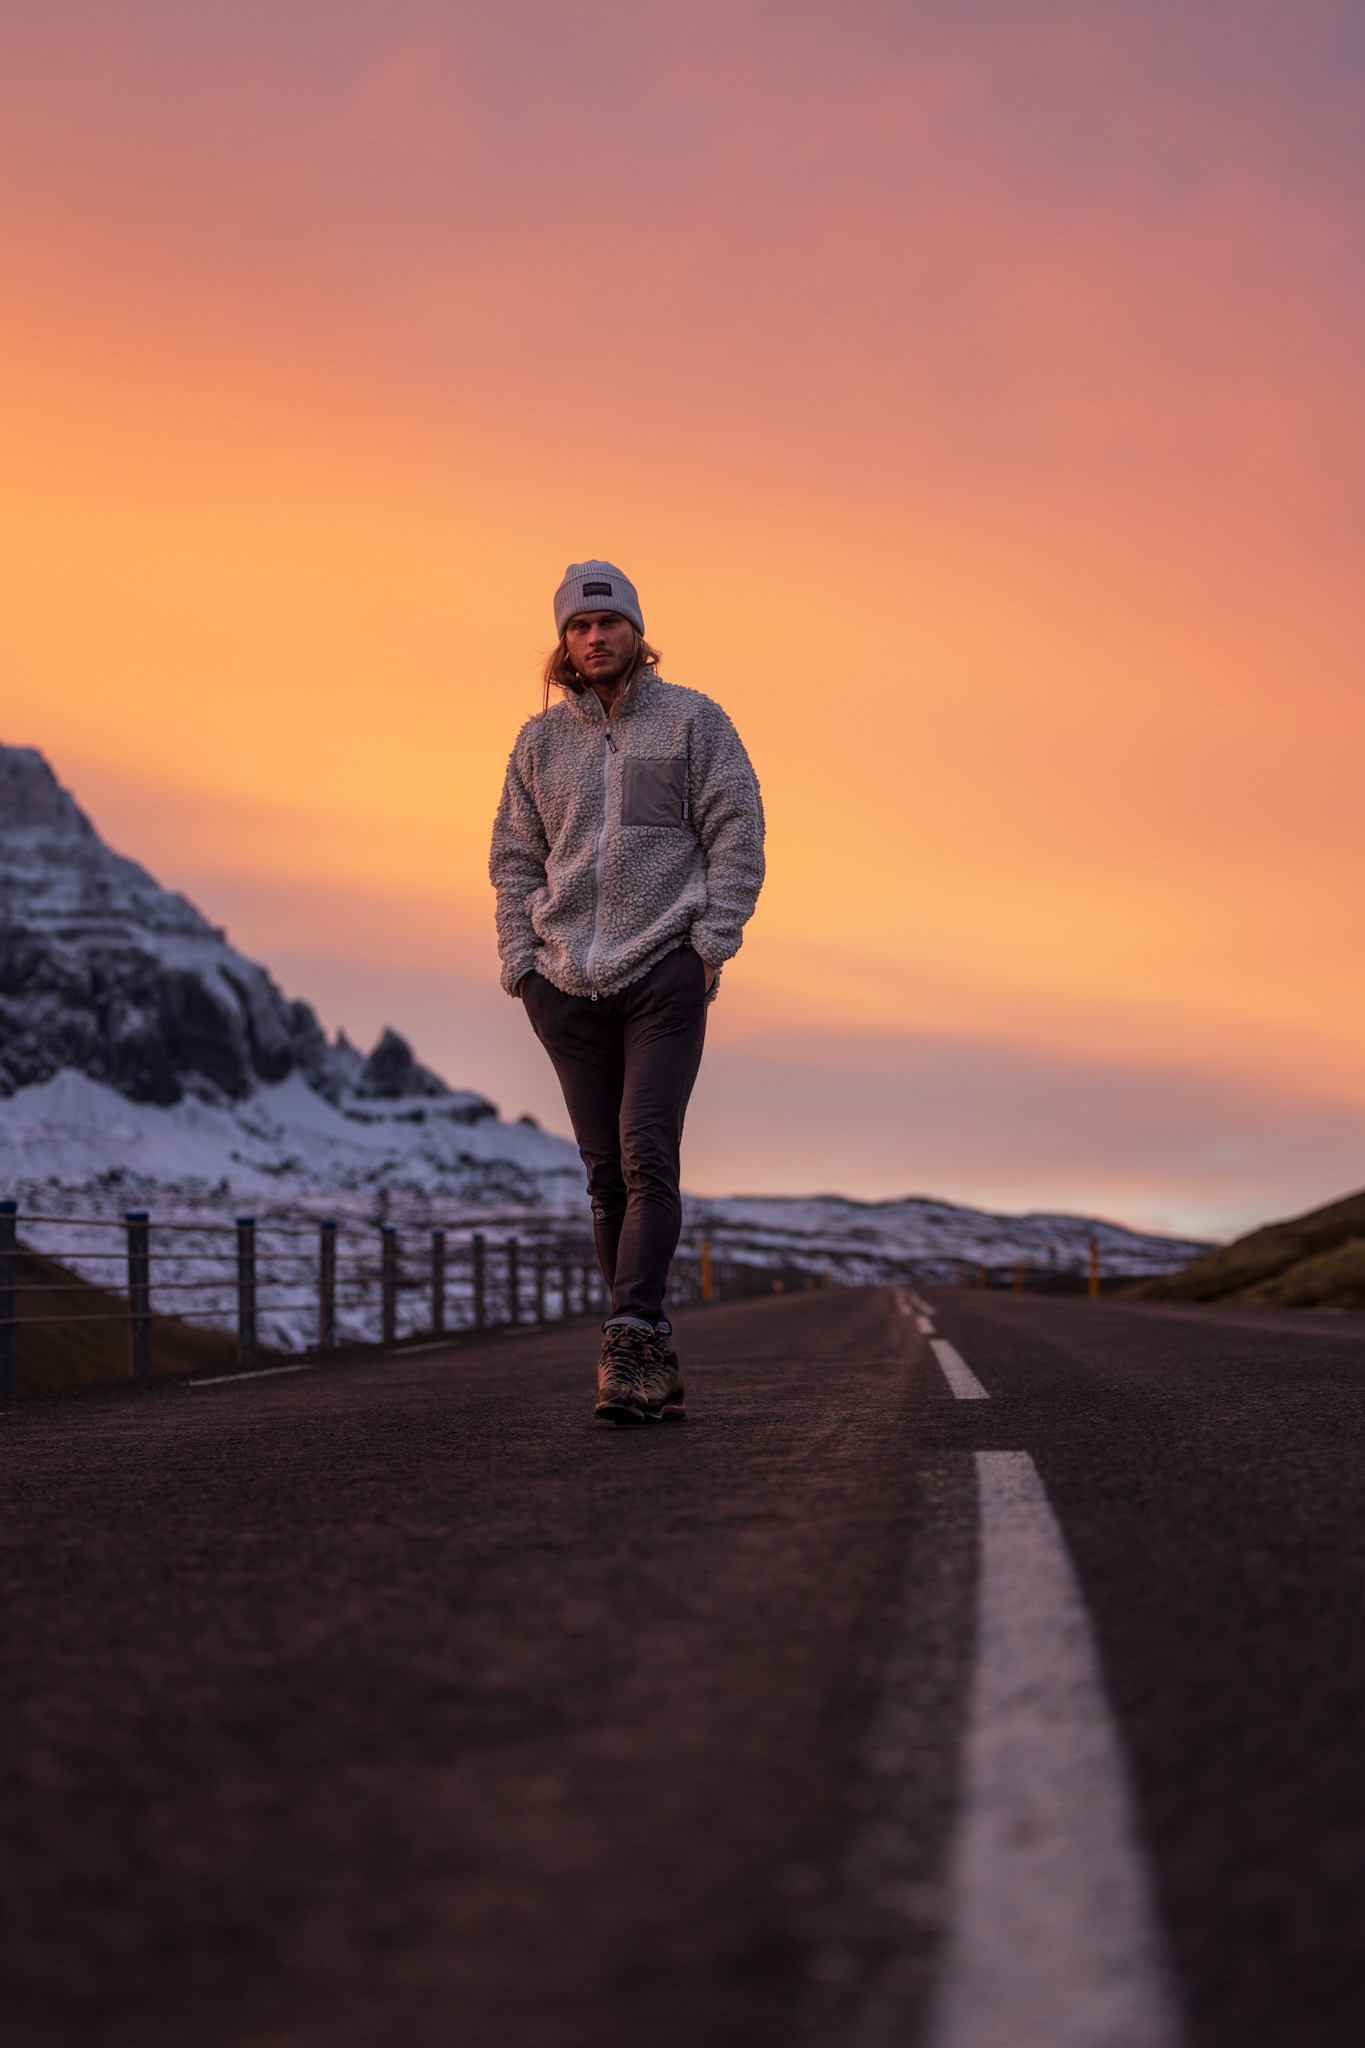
(139, 1295)
(540, 1283)
(705, 1279)
(1093, 1284)
(388, 1280)
(513, 1281)
(9, 1278)
(479, 1304)
(327, 1285)
(438, 1283)
(246, 1290)
(564, 1308)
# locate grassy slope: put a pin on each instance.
(1312, 1261)
(48, 1356)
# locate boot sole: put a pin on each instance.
(672, 1411)
(622, 1412)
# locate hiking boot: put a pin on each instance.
(662, 1379)
(627, 1353)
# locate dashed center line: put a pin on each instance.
(1053, 1940)
(910, 1305)
(959, 1375)
(957, 1372)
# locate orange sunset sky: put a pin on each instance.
(973, 392)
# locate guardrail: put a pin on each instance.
(316, 1285)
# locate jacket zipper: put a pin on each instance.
(607, 753)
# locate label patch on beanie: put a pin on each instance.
(597, 590)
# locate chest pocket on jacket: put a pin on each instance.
(653, 792)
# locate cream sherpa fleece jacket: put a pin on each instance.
(616, 842)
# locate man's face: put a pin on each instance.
(601, 645)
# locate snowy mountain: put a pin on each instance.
(869, 1240)
(145, 1063)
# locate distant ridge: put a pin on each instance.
(1311, 1261)
(867, 1240)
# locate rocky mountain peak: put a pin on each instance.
(32, 798)
(105, 972)
(391, 1074)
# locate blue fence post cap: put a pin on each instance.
(9, 1208)
(135, 1215)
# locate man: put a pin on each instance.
(627, 858)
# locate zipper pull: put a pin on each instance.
(610, 741)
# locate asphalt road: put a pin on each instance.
(398, 1702)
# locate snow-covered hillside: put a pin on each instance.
(867, 1240)
(285, 1149)
(145, 1063)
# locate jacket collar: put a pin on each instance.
(587, 705)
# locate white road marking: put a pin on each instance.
(957, 1372)
(1053, 1942)
(910, 1305)
(268, 1372)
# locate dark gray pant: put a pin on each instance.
(626, 1064)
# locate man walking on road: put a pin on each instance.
(627, 859)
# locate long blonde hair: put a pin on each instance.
(559, 672)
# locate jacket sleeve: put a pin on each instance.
(727, 811)
(516, 868)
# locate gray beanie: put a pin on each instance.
(596, 587)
